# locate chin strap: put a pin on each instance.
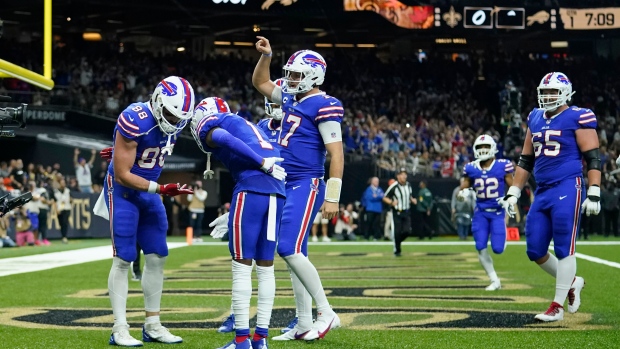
(208, 174)
(168, 148)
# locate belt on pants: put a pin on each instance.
(490, 210)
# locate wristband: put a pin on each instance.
(153, 187)
(514, 191)
(332, 191)
(269, 55)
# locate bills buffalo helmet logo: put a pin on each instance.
(167, 88)
(563, 79)
(314, 61)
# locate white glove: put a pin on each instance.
(618, 161)
(220, 226)
(271, 168)
(592, 204)
(509, 201)
(463, 194)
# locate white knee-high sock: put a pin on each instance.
(303, 303)
(153, 281)
(306, 272)
(487, 263)
(551, 265)
(118, 287)
(266, 295)
(567, 268)
(241, 294)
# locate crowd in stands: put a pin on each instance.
(421, 112)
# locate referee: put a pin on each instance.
(399, 196)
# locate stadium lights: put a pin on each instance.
(559, 44)
(461, 41)
(180, 49)
(89, 36)
(242, 43)
(313, 30)
(344, 45)
(222, 43)
(256, 28)
(366, 45)
(68, 19)
(323, 45)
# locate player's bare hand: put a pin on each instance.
(76, 151)
(263, 46)
(330, 210)
(174, 189)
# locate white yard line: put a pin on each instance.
(417, 243)
(44, 261)
(597, 260)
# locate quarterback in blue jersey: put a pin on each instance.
(557, 139)
(488, 177)
(256, 210)
(144, 134)
(310, 130)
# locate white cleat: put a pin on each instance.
(120, 336)
(554, 313)
(574, 294)
(158, 333)
(296, 334)
(324, 322)
(494, 286)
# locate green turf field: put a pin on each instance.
(432, 297)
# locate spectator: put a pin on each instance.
(82, 171)
(371, 202)
(63, 199)
(99, 177)
(610, 195)
(44, 207)
(23, 226)
(17, 174)
(319, 220)
(345, 223)
(197, 210)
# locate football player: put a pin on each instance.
(144, 134)
(488, 177)
(256, 209)
(557, 139)
(310, 129)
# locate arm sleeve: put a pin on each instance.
(276, 95)
(331, 110)
(390, 192)
(222, 138)
(330, 132)
(587, 119)
(127, 126)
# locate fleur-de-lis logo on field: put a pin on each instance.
(452, 17)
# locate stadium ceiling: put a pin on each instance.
(180, 21)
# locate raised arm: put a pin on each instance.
(261, 78)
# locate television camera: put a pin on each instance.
(11, 118)
(6, 204)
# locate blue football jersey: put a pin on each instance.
(248, 177)
(137, 123)
(489, 183)
(301, 143)
(555, 147)
(271, 128)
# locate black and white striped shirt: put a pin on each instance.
(401, 193)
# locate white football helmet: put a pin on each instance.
(174, 97)
(557, 81)
(483, 154)
(272, 109)
(310, 65)
(207, 107)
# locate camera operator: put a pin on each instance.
(197, 209)
(63, 199)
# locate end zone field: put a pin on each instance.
(431, 297)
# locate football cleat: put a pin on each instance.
(228, 325)
(290, 325)
(494, 286)
(246, 344)
(259, 344)
(120, 336)
(322, 325)
(158, 333)
(296, 334)
(554, 313)
(574, 294)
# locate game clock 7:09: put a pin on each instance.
(590, 18)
